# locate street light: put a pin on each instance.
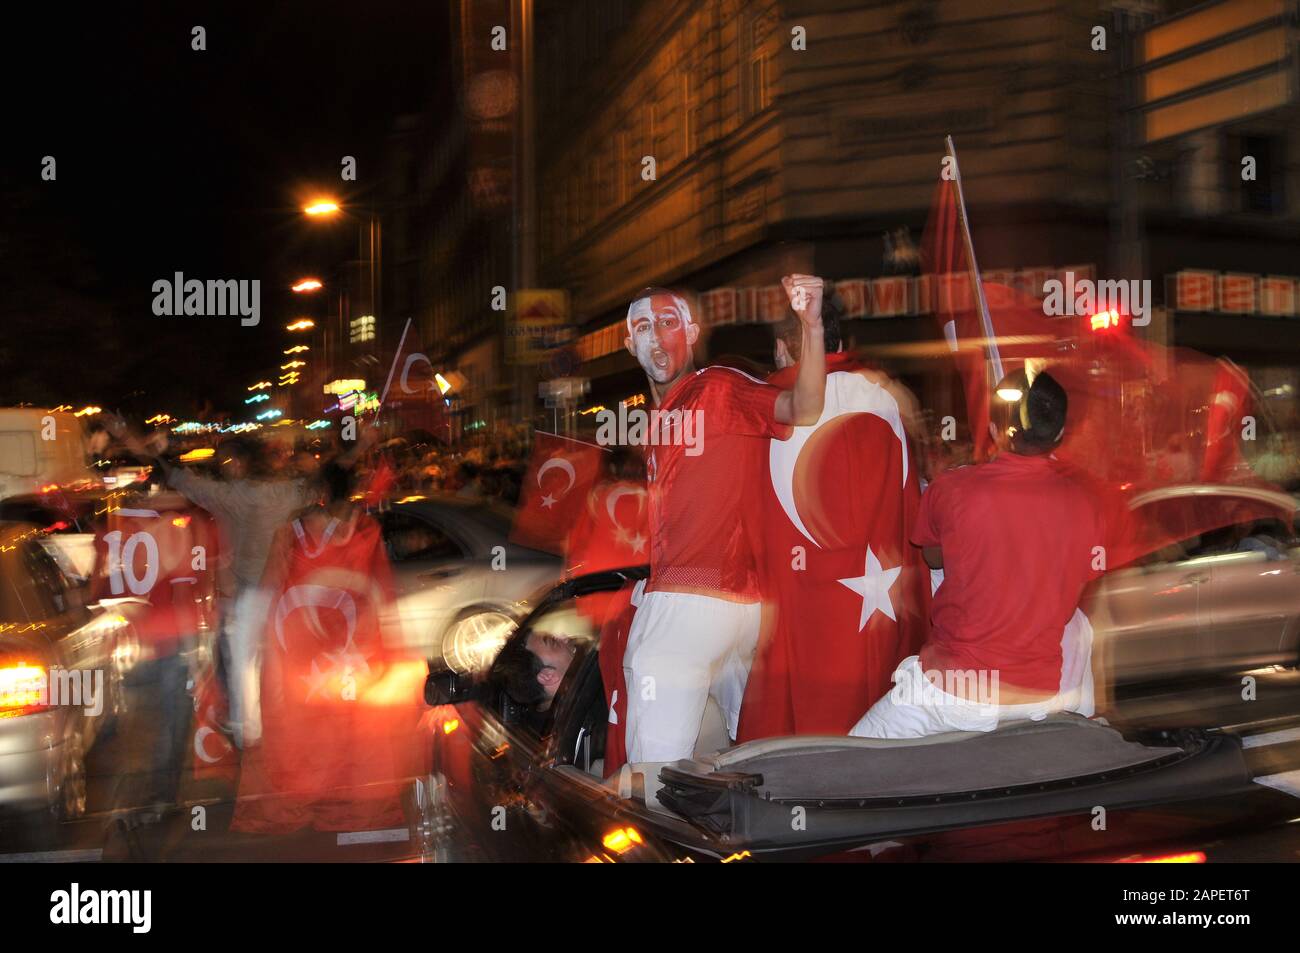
(321, 207)
(302, 324)
(308, 284)
(297, 350)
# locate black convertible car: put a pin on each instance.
(512, 783)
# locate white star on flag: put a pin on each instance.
(873, 587)
(548, 501)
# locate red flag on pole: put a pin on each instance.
(413, 398)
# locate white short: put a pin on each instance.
(916, 707)
(682, 649)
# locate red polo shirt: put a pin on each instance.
(697, 541)
(1018, 537)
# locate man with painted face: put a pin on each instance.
(697, 620)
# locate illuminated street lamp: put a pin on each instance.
(260, 385)
(297, 350)
(292, 364)
(308, 284)
(302, 324)
(321, 207)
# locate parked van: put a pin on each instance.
(29, 462)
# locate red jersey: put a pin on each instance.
(711, 444)
(1018, 537)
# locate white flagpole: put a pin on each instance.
(393, 367)
(986, 323)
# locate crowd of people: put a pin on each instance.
(817, 565)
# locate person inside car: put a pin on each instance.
(1017, 539)
(531, 670)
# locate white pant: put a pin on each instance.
(681, 649)
(248, 621)
(916, 707)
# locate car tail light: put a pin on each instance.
(622, 839)
(1187, 857)
(23, 689)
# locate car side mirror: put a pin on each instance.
(448, 688)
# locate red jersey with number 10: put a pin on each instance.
(713, 429)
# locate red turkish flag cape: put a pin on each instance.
(339, 711)
(847, 597)
(611, 532)
(560, 475)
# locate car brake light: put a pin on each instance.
(622, 839)
(22, 689)
(1188, 857)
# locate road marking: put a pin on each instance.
(90, 856)
(1288, 782)
(393, 836)
(1271, 738)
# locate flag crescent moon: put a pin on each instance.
(200, 744)
(611, 501)
(564, 465)
(847, 393)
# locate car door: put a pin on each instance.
(1253, 599)
(434, 578)
(1157, 618)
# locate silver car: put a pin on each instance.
(1223, 601)
(461, 584)
(62, 664)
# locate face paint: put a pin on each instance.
(658, 328)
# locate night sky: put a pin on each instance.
(169, 159)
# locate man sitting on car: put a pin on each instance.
(1017, 539)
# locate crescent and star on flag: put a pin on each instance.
(852, 391)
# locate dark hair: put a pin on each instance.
(625, 463)
(250, 451)
(790, 330)
(515, 671)
(1045, 408)
(337, 481)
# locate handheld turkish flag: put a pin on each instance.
(614, 629)
(847, 595)
(612, 531)
(214, 755)
(951, 283)
(560, 475)
(413, 398)
(339, 710)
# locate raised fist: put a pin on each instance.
(805, 294)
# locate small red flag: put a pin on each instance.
(560, 475)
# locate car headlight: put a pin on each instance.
(471, 643)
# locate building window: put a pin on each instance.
(1266, 192)
(754, 78)
(692, 112)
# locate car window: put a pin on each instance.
(17, 453)
(49, 592)
(409, 539)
